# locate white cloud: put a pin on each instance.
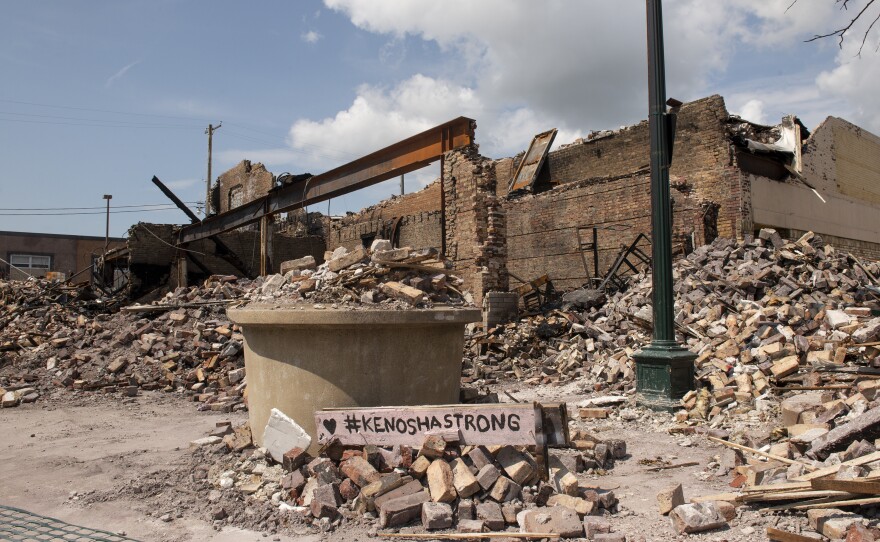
(521, 67)
(311, 36)
(118, 75)
(380, 116)
(752, 110)
(856, 79)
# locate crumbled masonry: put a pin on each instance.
(787, 335)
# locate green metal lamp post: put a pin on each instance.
(665, 368)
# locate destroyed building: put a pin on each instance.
(730, 177)
(580, 206)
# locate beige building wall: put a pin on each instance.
(841, 162)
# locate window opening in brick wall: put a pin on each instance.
(31, 261)
(235, 196)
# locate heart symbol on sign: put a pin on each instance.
(330, 425)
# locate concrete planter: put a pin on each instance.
(303, 360)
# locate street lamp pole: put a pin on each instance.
(664, 369)
(107, 197)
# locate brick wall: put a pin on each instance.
(476, 236)
(248, 181)
(420, 221)
(545, 230)
(702, 162)
(605, 183)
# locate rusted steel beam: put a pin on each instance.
(400, 158)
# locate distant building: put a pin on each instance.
(37, 254)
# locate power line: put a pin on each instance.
(81, 208)
(91, 120)
(101, 110)
(172, 208)
(97, 125)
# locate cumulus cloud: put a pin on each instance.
(379, 116)
(856, 78)
(753, 110)
(310, 37)
(522, 67)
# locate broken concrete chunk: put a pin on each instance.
(359, 471)
(440, 481)
(402, 510)
(306, 262)
(490, 514)
(391, 255)
(836, 319)
(283, 434)
(347, 260)
(403, 292)
(466, 484)
(515, 464)
(436, 515)
(695, 518)
(505, 490)
(832, 522)
(556, 520)
(866, 425)
(670, 498)
(272, 284)
(583, 507)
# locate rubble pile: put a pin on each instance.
(378, 277)
(441, 486)
(760, 313)
(184, 341)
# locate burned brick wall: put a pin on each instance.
(412, 219)
(604, 182)
(702, 163)
(242, 184)
(547, 232)
(476, 230)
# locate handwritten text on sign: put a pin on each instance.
(390, 426)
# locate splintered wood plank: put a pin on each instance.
(850, 486)
(778, 535)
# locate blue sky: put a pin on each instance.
(97, 97)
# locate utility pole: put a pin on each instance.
(665, 368)
(107, 197)
(210, 131)
(401, 185)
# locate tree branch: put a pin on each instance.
(841, 32)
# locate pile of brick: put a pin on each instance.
(760, 313)
(379, 277)
(441, 486)
(184, 342)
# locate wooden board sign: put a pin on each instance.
(515, 424)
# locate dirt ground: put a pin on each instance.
(62, 449)
(84, 457)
